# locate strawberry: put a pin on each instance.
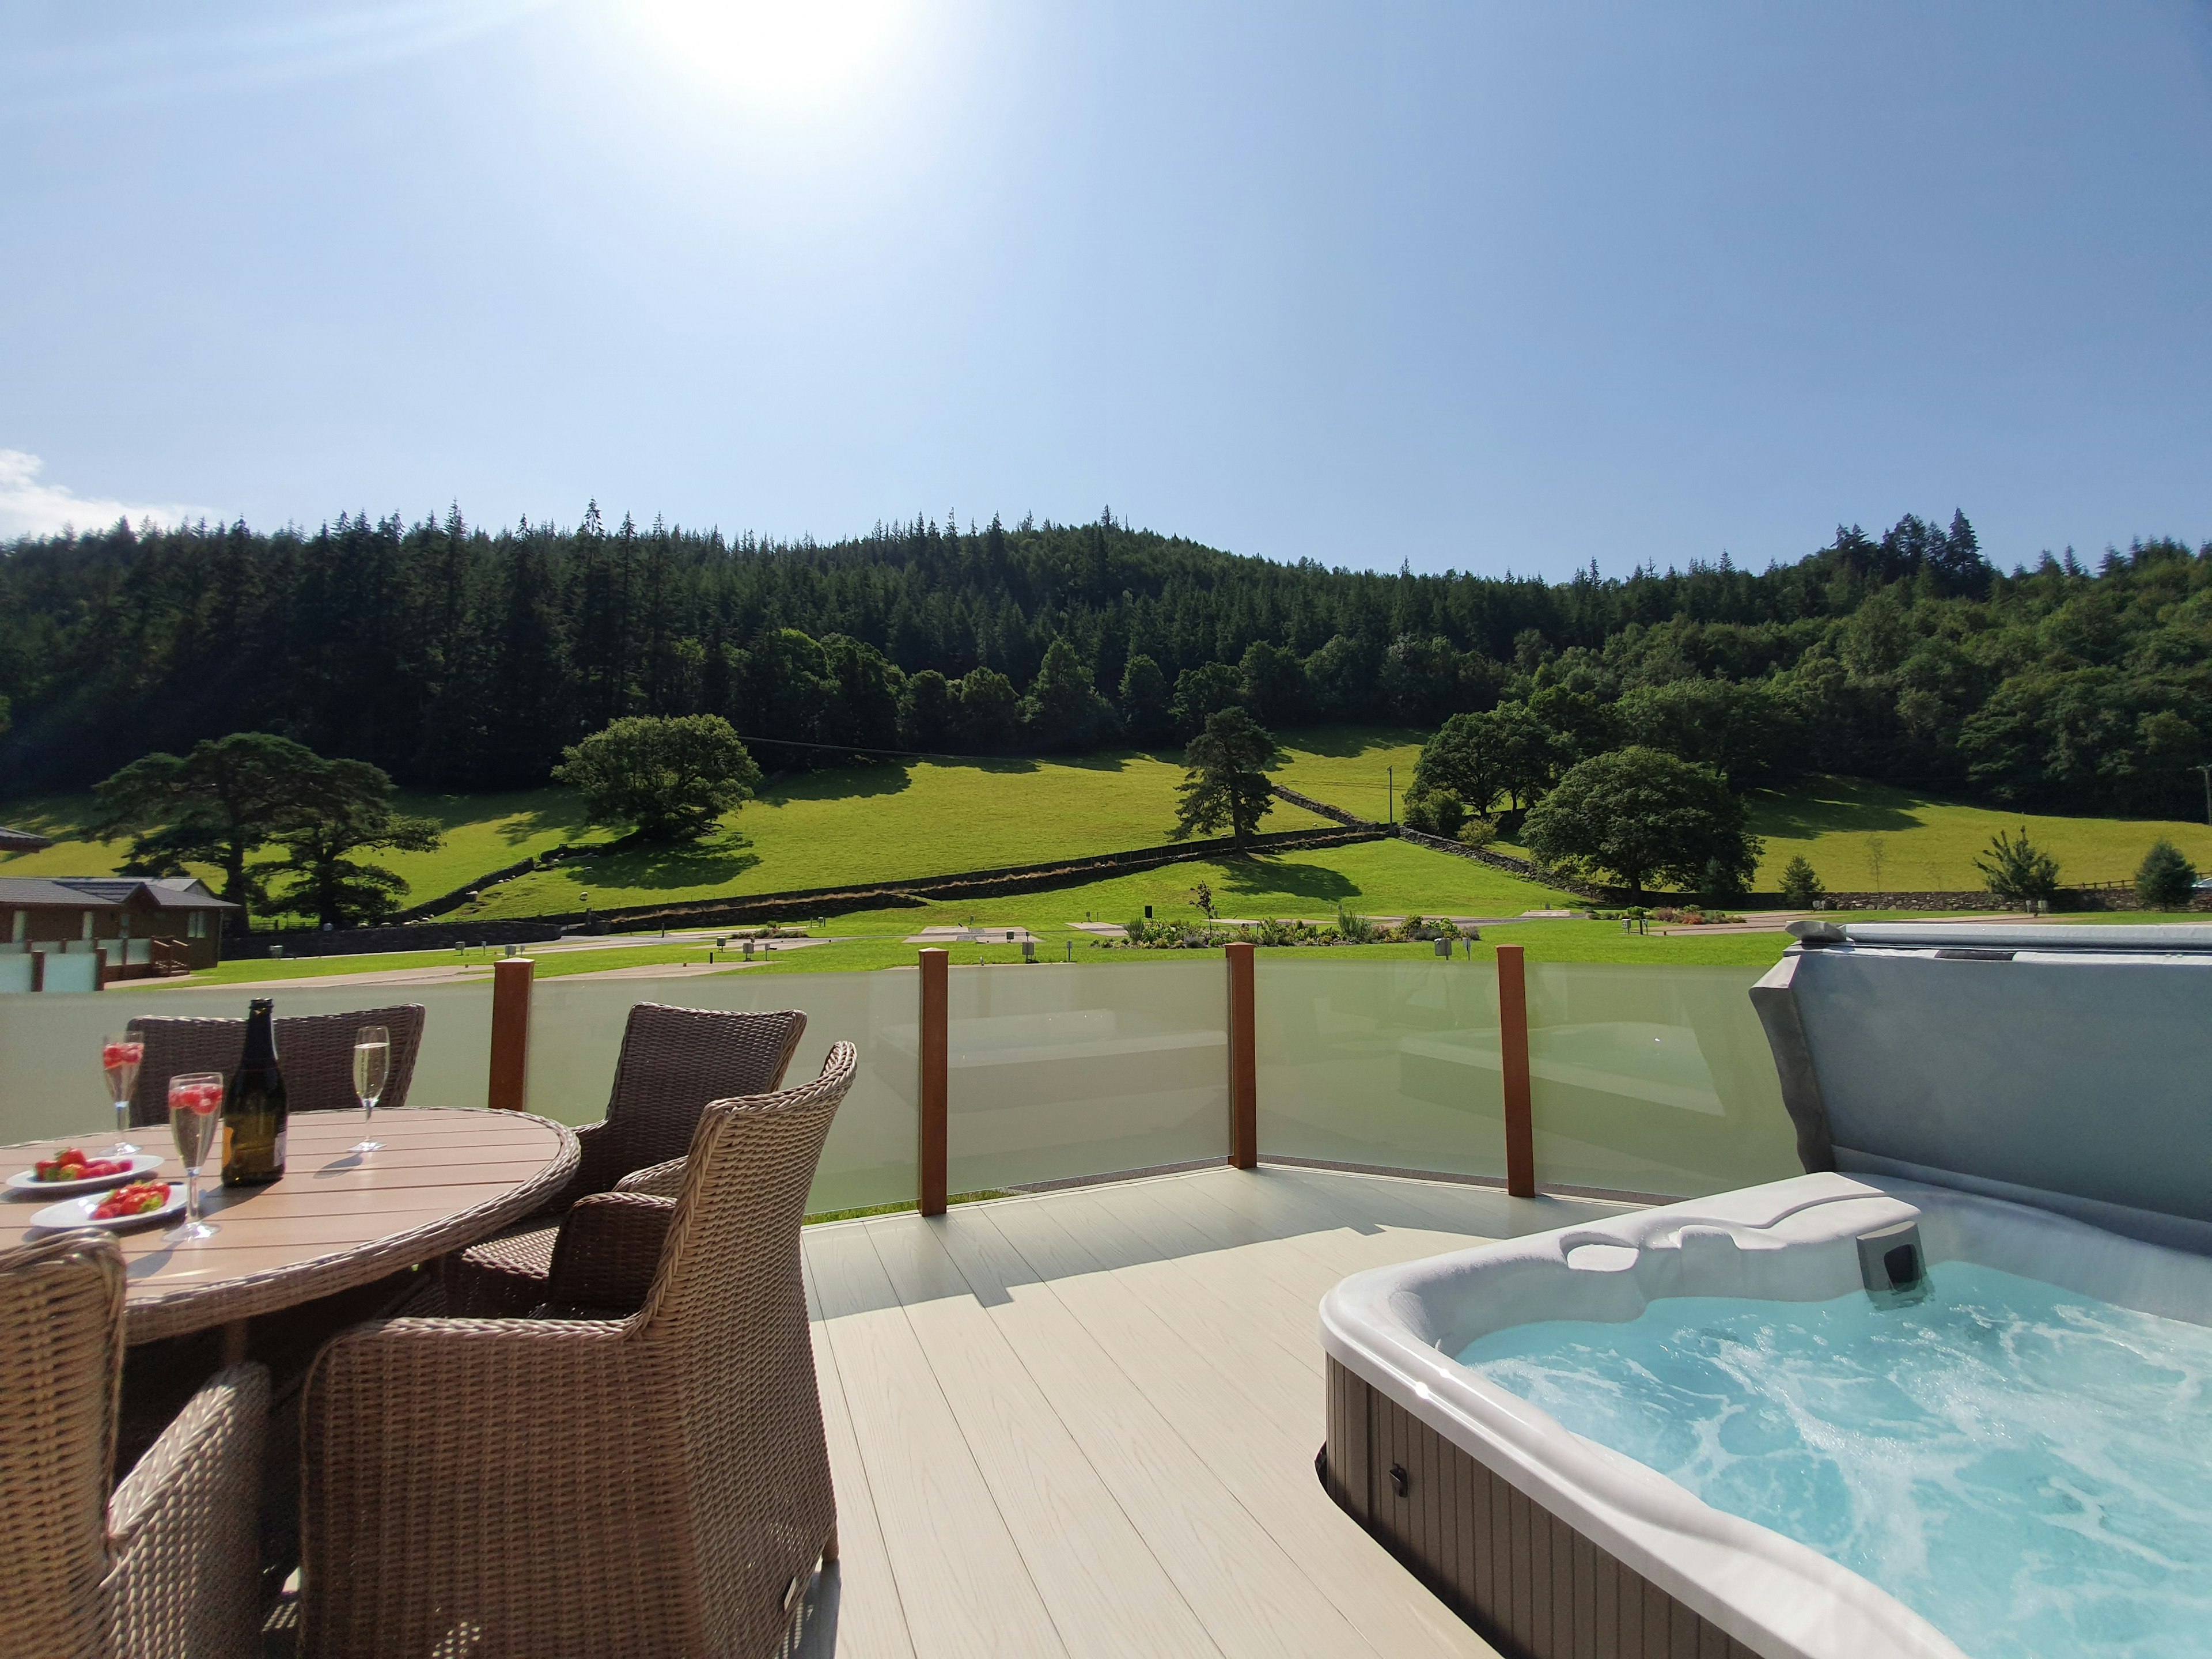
(139, 1198)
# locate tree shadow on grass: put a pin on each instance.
(1830, 806)
(517, 816)
(1350, 742)
(841, 783)
(1286, 876)
(714, 862)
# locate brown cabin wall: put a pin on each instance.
(57, 924)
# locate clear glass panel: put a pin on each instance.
(575, 1037)
(1389, 1063)
(1653, 1081)
(1057, 1071)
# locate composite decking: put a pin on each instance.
(1084, 1422)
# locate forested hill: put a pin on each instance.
(456, 656)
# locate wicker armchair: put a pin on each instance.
(673, 1061)
(169, 1567)
(654, 1486)
(316, 1051)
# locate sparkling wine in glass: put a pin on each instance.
(119, 1057)
(196, 1119)
(371, 1064)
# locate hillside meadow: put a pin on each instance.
(911, 820)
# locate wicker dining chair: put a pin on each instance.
(169, 1566)
(652, 1485)
(315, 1050)
(673, 1061)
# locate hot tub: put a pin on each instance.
(1983, 1314)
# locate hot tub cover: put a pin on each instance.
(2068, 1067)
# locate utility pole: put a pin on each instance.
(2207, 771)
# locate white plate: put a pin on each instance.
(27, 1181)
(77, 1213)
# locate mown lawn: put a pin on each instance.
(1352, 766)
(886, 822)
(483, 833)
(890, 821)
(1864, 836)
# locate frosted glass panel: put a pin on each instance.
(70, 972)
(49, 1081)
(575, 1036)
(1057, 1071)
(1391, 1063)
(1653, 1081)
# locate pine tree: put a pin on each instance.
(1225, 785)
(2166, 880)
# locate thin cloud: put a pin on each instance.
(117, 68)
(29, 506)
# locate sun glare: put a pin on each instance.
(776, 50)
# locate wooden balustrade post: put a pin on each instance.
(510, 1034)
(1513, 1058)
(930, 1159)
(1243, 1063)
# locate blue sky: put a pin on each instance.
(1471, 286)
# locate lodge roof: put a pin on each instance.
(109, 893)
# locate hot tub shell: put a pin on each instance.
(2030, 1103)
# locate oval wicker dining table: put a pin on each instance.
(443, 1179)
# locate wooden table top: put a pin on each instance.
(442, 1179)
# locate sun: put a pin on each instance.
(776, 50)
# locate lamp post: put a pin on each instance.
(1389, 795)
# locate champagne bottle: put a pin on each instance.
(254, 1118)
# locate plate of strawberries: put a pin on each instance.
(73, 1169)
(127, 1205)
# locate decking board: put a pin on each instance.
(1084, 1421)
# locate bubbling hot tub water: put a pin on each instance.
(2029, 1468)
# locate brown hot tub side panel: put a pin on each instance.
(1532, 1585)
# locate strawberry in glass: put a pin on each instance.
(195, 1113)
(120, 1058)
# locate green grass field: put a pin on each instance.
(1864, 836)
(483, 833)
(1364, 769)
(885, 823)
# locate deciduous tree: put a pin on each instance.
(669, 776)
(1637, 814)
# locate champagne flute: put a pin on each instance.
(371, 1064)
(195, 1115)
(120, 1058)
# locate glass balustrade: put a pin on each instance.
(1650, 1080)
